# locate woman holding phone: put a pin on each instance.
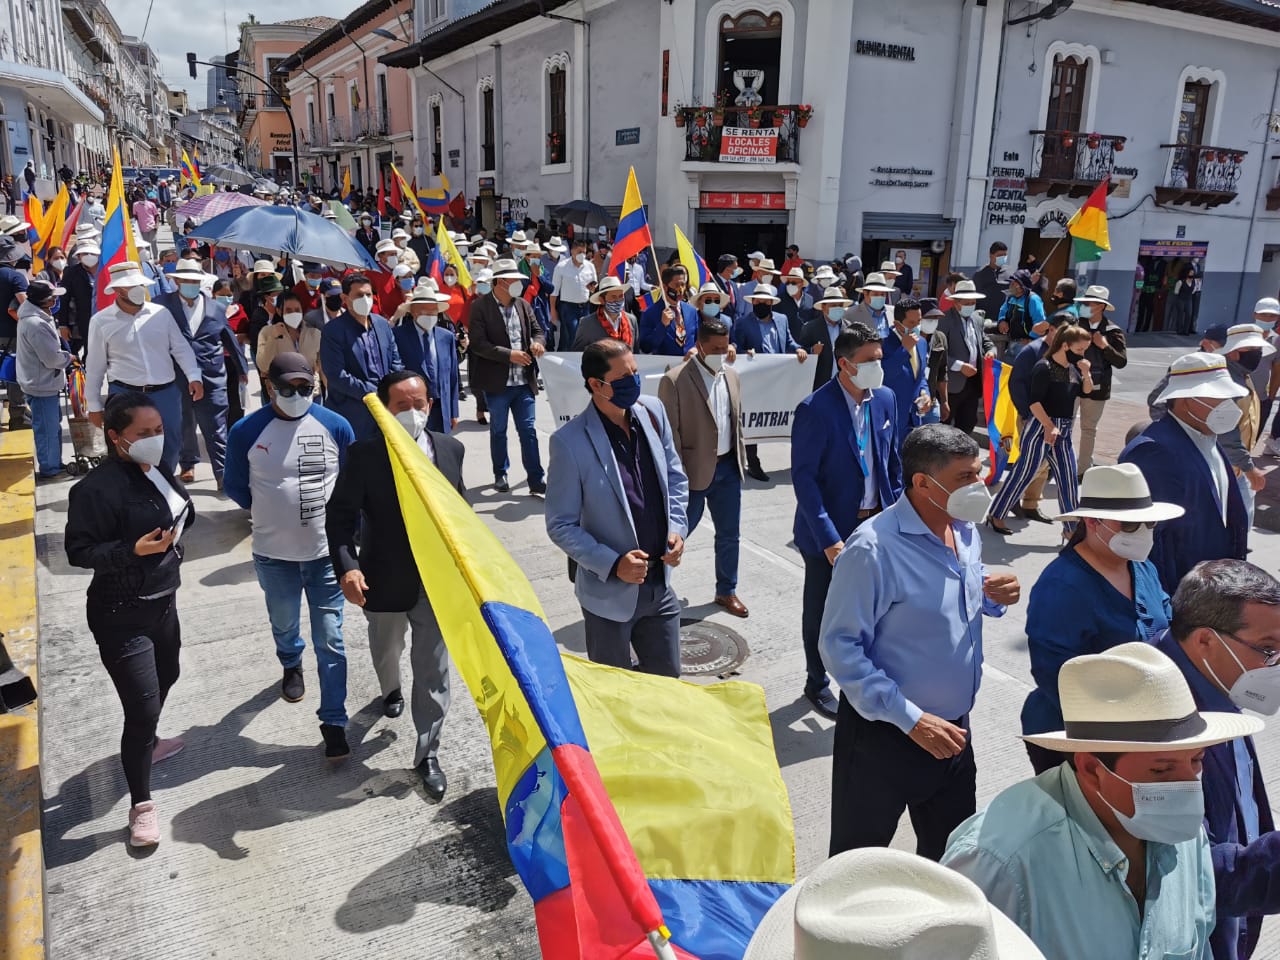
(125, 521)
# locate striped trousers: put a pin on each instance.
(1032, 452)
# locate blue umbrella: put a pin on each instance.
(286, 230)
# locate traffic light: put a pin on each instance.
(191, 64)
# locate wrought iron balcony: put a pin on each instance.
(1201, 175)
(1071, 162)
(1273, 195)
(704, 127)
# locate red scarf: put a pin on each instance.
(622, 331)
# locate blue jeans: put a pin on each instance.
(46, 424)
(520, 401)
(209, 413)
(724, 497)
(169, 402)
(569, 314)
(283, 582)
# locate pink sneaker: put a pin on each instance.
(144, 825)
(164, 749)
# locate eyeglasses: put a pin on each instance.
(291, 389)
(1270, 655)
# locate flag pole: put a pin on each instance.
(661, 945)
(657, 271)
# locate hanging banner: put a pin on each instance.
(772, 388)
(748, 145)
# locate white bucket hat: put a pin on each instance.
(1267, 305)
(1134, 699)
(263, 266)
(755, 257)
(507, 270)
(88, 246)
(1120, 492)
(835, 297)
(764, 291)
(606, 284)
(127, 274)
(824, 272)
(876, 284)
(1202, 375)
(965, 290)
(885, 904)
(399, 233)
(1246, 336)
(1096, 294)
(386, 246)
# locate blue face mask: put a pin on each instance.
(226, 300)
(483, 288)
(54, 307)
(169, 267)
(1267, 325)
(711, 309)
(1001, 260)
(313, 282)
(877, 303)
(626, 391)
(189, 290)
(835, 314)
(406, 283)
(967, 310)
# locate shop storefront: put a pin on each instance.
(923, 239)
(740, 223)
(1163, 263)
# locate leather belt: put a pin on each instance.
(871, 512)
(150, 388)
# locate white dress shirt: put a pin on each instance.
(139, 350)
(1207, 444)
(426, 446)
(970, 342)
(572, 283)
(639, 283)
(864, 433)
(721, 409)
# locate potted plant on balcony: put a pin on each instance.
(717, 111)
(753, 115)
(1093, 141)
(679, 114)
(780, 116)
(1068, 141)
(803, 113)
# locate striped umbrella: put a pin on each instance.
(212, 204)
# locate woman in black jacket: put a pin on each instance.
(124, 522)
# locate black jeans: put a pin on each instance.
(139, 647)
(878, 771)
(817, 581)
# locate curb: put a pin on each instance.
(22, 915)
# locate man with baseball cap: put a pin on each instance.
(1183, 462)
(1105, 855)
(42, 373)
(282, 465)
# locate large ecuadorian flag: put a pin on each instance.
(645, 816)
(1002, 417)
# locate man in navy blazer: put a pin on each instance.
(203, 321)
(906, 364)
(617, 498)
(357, 349)
(432, 351)
(844, 468)
(661, 331)
(1183, 463)
(763, 330)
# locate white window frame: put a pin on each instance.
(482, 85)
(735, 8)
(557, 61)
(1090, 55)
(1217, 81)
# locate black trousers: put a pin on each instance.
(139, 647)
(235, 409)
(878, 771)
(966, 403)
(817, 581)
(653, 632)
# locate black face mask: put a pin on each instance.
(333, 302)
(763, 311)
(1250, 359)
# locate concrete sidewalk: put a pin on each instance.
(268, 851)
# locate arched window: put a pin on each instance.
(488, 124)
(750, 58)
(556, 108)
(435, 111)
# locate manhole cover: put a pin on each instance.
(710, 650)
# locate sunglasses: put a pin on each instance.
(1132, 527)
(291, 389)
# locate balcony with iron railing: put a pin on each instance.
(1201, 175)
(1071, 162)
(763, 134)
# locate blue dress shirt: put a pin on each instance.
(902, 630)
(1042, 856)
(1060, 626)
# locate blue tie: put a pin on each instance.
(1244, 789)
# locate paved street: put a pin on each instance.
(269, 852)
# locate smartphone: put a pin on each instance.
(180, 518)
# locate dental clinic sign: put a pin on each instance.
(749, 145)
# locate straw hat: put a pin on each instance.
(764, 291)
(834, 296)
(518, 239)
(824, 272)
(1120, 492)
(708, 289)
(385, 246)
(263, 266)
(885, 904)
(1246, 336)
(556, 245)
(1134, 699)
(1202, 375)
(399, 233)
(507, 270)
(888, 267)
(127, 274)
(876, 284)
(1268, 305)
(531, 249)
(426, 292)
(965, 290)
(189, 270)
(607, 283)
(1096, 294)
(765, 265)
(795, 273)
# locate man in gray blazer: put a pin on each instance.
(616, 503)
(967, 346)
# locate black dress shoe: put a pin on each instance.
(1035, 515)
(500, 483)
(393, 704)
(756, 472)
(335, 742)
(1003, 531)
(824, 702)
(434, 781)
(538, 489)
(292, 686)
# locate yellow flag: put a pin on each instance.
(451, 254)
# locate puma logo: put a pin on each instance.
(264, 447)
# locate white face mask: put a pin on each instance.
(90, 260)
(414, 421)
(146, 450)
(136, 295)
(450, 281)
(867, 375)
(417, 231)
(1134, 546)
(515, 288)
(390, 261)
(928, 327)
(1257, 690)
(294, 320)
(579, 257)
(1223, 418)
(966, 310)
(793, 288)
(425, 322)
(714, 361)
(362, 306)
(969, 503)
(1163, 812)
(294, 406)
(58, 264)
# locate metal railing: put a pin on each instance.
(704, 129)
(1073, 155)
(1204, 169)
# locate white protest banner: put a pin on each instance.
(772, 388)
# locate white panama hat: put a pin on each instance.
(1202, 375)
(1120, 492)
(127, 274)
(876, 284)
(835, 297)
(606, 284)
(556, 245)
(763, 291)
(1134, 699)
(1096, 294)
(189, 270)
(965, 290)
(709, 289)
(507, 270)
(885, 904)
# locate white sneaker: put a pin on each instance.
(1270, 449)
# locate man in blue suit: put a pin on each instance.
(763, 330)
(617, 498)
(1183, 463)
(431, 351)
(357, 349)
(844, 469)
(762, 272)
(906, 365)
(203, 321)
(669, 327)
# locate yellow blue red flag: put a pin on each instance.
(632, 235)
(117, 234)
(636, 832)
(445, 244)
(694, 265)
(1002, 417)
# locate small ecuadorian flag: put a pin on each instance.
(1088, 227)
